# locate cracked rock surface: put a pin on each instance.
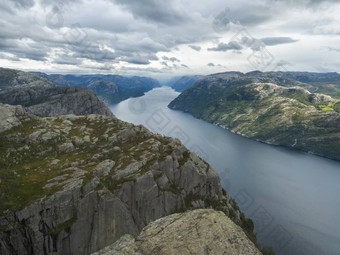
(201, 232)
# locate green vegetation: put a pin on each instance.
(269, 113)
(330, 107)
(33, 168)
(184, 159)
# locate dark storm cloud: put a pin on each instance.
(271, 41)
(154, 10)
(226, 47)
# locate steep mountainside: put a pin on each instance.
(43, 98)
(201, 231)
(75, 184)
(182, 83)
(110, 88)
(289, 116)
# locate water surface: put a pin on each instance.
(292, 197)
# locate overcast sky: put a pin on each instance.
(169, 37)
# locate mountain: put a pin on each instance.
(110, 88)
(251, 104)
(326, 83)
(182, 83)
(43, 98)
(13, 79)
(75, 184)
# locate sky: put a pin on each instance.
(163, 38)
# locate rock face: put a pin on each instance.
(11, 116)
(56, 101)
(253, 106)
(201, 232)
(43, 98)
(13, 79)
(76, 184)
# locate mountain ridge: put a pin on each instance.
(286, 114)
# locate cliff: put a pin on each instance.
(47, 102)
(76, 184)
(41, 97)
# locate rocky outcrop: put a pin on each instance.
(202, 231)
(13, 79)
(45, 102)
(43, 98)
(12, 116)
(76, 184)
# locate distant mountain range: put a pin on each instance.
(111, 89)
(326, 83)
(276, 108)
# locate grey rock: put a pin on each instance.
(115, 189)
(104, 167)
(11, 116)
(66, 148)
(56, 101)
(198, 232)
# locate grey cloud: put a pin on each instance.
(23, 3)
(194, 47)
(247, 15)
(271, 41)
(19, 49)
(333, 49)
(140, 59)
(185, 66)
(132, 41)
(160, 11)
(136, 31)
(67, 60)
(172, 59)
(211, 64)
(306, 3)
(226, 46)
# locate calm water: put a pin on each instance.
(292, 197)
